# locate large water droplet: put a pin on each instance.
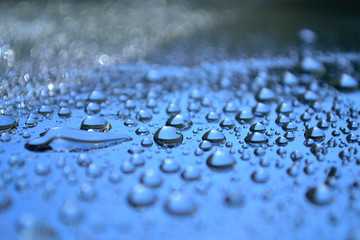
(168, 137)
(70, 139)
(95, 123)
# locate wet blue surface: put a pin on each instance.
(254, 148)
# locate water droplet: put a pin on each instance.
(70, 214)
(5, 137)
(214, 136)
(169, 165)
(115, 176)
(258, 127)
(5, 201)
(94, 123)
(310, 65)
(296, 155)
(261, 109)
(28, 226)
(289, 79)
(315, 134)
(256, 138)
(45, 110)
(230, 108)
(97, 96)
(323, 124)
(173, 108)
(227, 124)
(143, 116)
(347, 83)
(16, 161)
(87, 192)
(320, 195)
(142, 131)
(282, 141)
(94, 171)
(84, 160)
(260, 176)
(221, 160)
(130, 123)
(127, 167)
(69, 139)
(245, 116)
(180, 204)
(213, 117)
(147, 142)
(284, 108)
(205, 145)
(141, 196)
(150, 178)
(7, 122)
(137, 160)
(42, 169)
(235, 199)
(265, 95)
(92, 108)
(64, 112)
(191, 173)
(168, 137)
(179, 121)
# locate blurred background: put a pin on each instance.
(171, 32)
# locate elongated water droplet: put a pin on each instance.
(69, 139)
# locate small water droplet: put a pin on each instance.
(180, 204)
(221, 160)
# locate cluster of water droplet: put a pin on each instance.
(183, 132)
